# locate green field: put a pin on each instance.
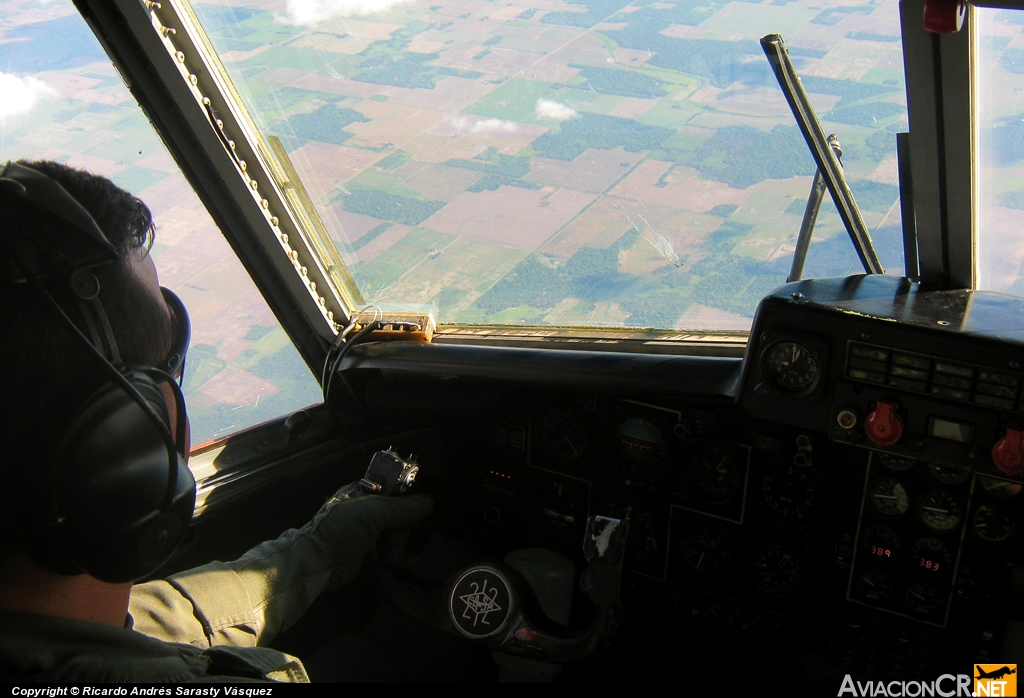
(515, 100)
(411, 250)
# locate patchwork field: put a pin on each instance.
(592, 162)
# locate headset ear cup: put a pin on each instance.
(115, 518)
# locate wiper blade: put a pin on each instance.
(827, 160)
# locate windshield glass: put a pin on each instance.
(601, 163)
(999, 89)
(61, 99)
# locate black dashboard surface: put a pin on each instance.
(844, 500)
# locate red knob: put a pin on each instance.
(944, 16)
(883, 425)
(1008, 453)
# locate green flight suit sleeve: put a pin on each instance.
(203, 607)
(247, 602)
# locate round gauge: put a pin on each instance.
(896, 463)
(939, 510)
(931, 555)
(949, 476)
(776, 571)
(563, 434)
(999, 489)
(993, 523)
(924, 599)
(880, 543)
(704, 549)
(888, 498)
(716, 473)
(639, 441)
(873, 586)
(791, 367)
(788, 491)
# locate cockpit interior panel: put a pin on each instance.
(846, 497)
(629, 485)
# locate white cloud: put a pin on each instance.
(554, 111)
(483, 126)
(19, 95)
(314, 11)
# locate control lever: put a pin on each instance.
(1008, 452)
(884, 426)
(492, 604)
(389, 474)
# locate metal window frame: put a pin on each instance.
(940, 81)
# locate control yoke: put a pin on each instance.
(493, 603)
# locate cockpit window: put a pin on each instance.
(61, 98)
(999, 107)
(600, 163)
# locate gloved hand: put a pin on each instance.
(284, 576)
(350, 521)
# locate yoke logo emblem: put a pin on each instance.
(479, 603)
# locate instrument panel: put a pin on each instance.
(806, 500)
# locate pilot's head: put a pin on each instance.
(50, 379)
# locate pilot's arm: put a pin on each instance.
(249, 601)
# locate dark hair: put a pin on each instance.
(46, 373)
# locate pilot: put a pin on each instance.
(96, 493)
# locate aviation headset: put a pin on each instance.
(116, 500)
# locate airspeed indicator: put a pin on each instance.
(888, 497)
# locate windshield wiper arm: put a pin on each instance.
(803, 238)
(826, 158)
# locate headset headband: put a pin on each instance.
(55, 214)
(49, 233)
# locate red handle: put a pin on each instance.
(1008, 453)
(944, 16)
(884, 426)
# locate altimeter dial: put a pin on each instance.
(716, 472)
(931, 555)
(705, 549)
(924, 599)
(873, 586)
(993, 523)
(939, 510)
(563, 433)
(788, 491)
(776, 571)
(880, 543)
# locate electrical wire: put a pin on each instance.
(356, 339)
(378, 314)
(331, 351)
